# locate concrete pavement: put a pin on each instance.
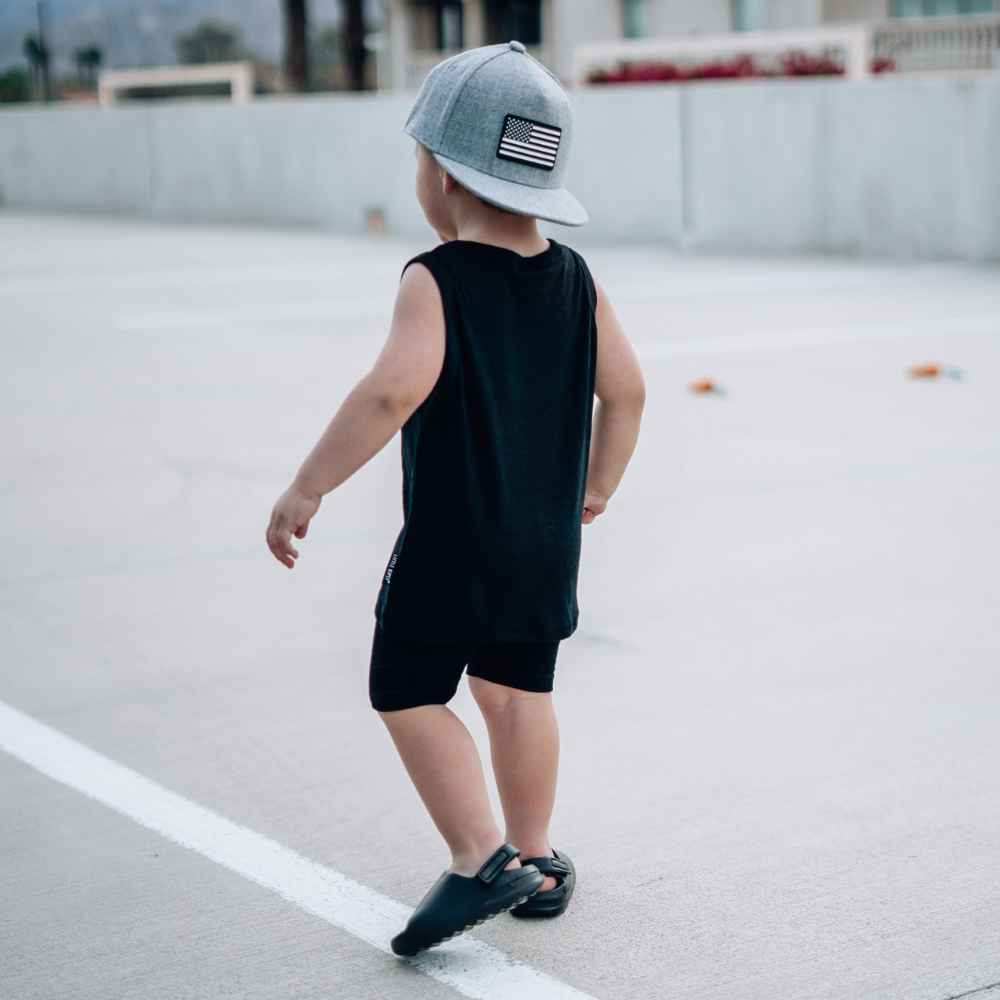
(779, 712)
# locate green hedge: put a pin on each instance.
(15, 85)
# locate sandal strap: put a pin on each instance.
(497, 863)
(550, 866)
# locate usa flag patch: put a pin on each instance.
(525, 141)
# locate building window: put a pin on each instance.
(450, 26)
(514, 20)
(435, 25)
(749, 15)
(634, 18)
(940, 8)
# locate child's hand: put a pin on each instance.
(592, 506)
(290, 517)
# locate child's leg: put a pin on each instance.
(442, 760)
(524, 746)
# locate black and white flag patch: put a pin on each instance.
(525, 141)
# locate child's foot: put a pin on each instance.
(455, 903)
(554, 901)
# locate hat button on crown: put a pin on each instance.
(518, 47)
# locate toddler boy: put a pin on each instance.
(500, 340)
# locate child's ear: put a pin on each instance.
(448, 183)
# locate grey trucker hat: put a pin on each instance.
(502, 125)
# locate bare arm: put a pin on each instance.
(402, 378)
(621, 394)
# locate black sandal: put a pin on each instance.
(555, 901)
(455, 902)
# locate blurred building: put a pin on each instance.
(423, 32)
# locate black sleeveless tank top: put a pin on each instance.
(495, 459)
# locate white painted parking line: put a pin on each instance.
(264, 312)
(96, 279)
(697, 286)
(472, 968)
(819, 337)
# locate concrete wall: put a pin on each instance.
(626, 164)
(887, 167)
(316, 161)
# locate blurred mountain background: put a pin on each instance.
(131, 33)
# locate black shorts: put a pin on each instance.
(406, 674)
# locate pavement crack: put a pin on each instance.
(969, 993)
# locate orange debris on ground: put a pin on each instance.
(705, 385)
(934, 370)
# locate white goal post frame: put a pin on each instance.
(239, 76)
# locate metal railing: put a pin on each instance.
(935, 43)
(927, 44)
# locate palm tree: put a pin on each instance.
(87, 58)
(209, 42)
(37, 55)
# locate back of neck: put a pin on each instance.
(502, 229)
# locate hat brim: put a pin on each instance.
(551, 204)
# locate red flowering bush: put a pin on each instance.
(739, 67)
(803, 64)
